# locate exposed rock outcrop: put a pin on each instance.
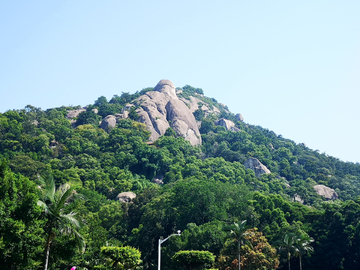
(239, 117)
(126, 197)
(161, 108)
(193, 105)
(159, 180)
(297, 198)
(183, 121)
(255, 165)
(108, 122)
(75, 113)
(229, 125)
(326, 192)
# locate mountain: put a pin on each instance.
(177, 160)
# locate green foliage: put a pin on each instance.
(199, 114)
(54, 201)
(88, 117)
(256, 253)
(194, 259)
(126, 258)
(200, 188)
(21, 227)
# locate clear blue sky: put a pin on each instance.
(290, 66)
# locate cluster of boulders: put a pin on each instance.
(161, 109)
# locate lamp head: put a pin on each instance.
(178, 232)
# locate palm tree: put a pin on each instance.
(54, 203)
(237, 231)
(287, 245)
(303, 246)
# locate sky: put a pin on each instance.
(292, 67)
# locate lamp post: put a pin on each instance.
(159, 246)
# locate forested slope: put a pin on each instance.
(197, 189)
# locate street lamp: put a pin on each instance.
(162, 241)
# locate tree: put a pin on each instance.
(54, 202)
(194, 259)
(303, 246)
(257, 253)
(237, 231)
(288, 246)
(125, 258)
(20, 222)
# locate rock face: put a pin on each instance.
(255, 165)
(326, 192)
(193, 105)
(229, 125)
(126, 197)
(183, 121)
(161, 109)
(108, 122)
(75, 113)
(297, 198)
(239, 117)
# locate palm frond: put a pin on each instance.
(48, 184)
(63, 193)
(71, 219)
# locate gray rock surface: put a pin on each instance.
(229, 125)
(108, 122)
(126, 197)
(159, 180)
(239, 117)
(255, 165)
(193, 105)
(297, 198)
(160, 108)
(166, 87)
(183, 121)
(326, 192)
(75, 113)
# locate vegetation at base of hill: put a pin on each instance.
(204, 189)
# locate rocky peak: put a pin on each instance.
(166, 87)
(161, 109)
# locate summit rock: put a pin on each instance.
(161, 109)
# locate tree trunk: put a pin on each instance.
(289, 260)
(48, 243)
(239, 255)
(47, 256)
(300, 261)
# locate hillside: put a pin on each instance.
(193, 165)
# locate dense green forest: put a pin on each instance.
(60, 180)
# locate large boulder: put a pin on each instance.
(161, 109)
(229, 125)
(108, 122)
(126, 197)
(326, 192)
(239, 117)
(166, 87)
(255, 165)
(183, 121)
(75, 113)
